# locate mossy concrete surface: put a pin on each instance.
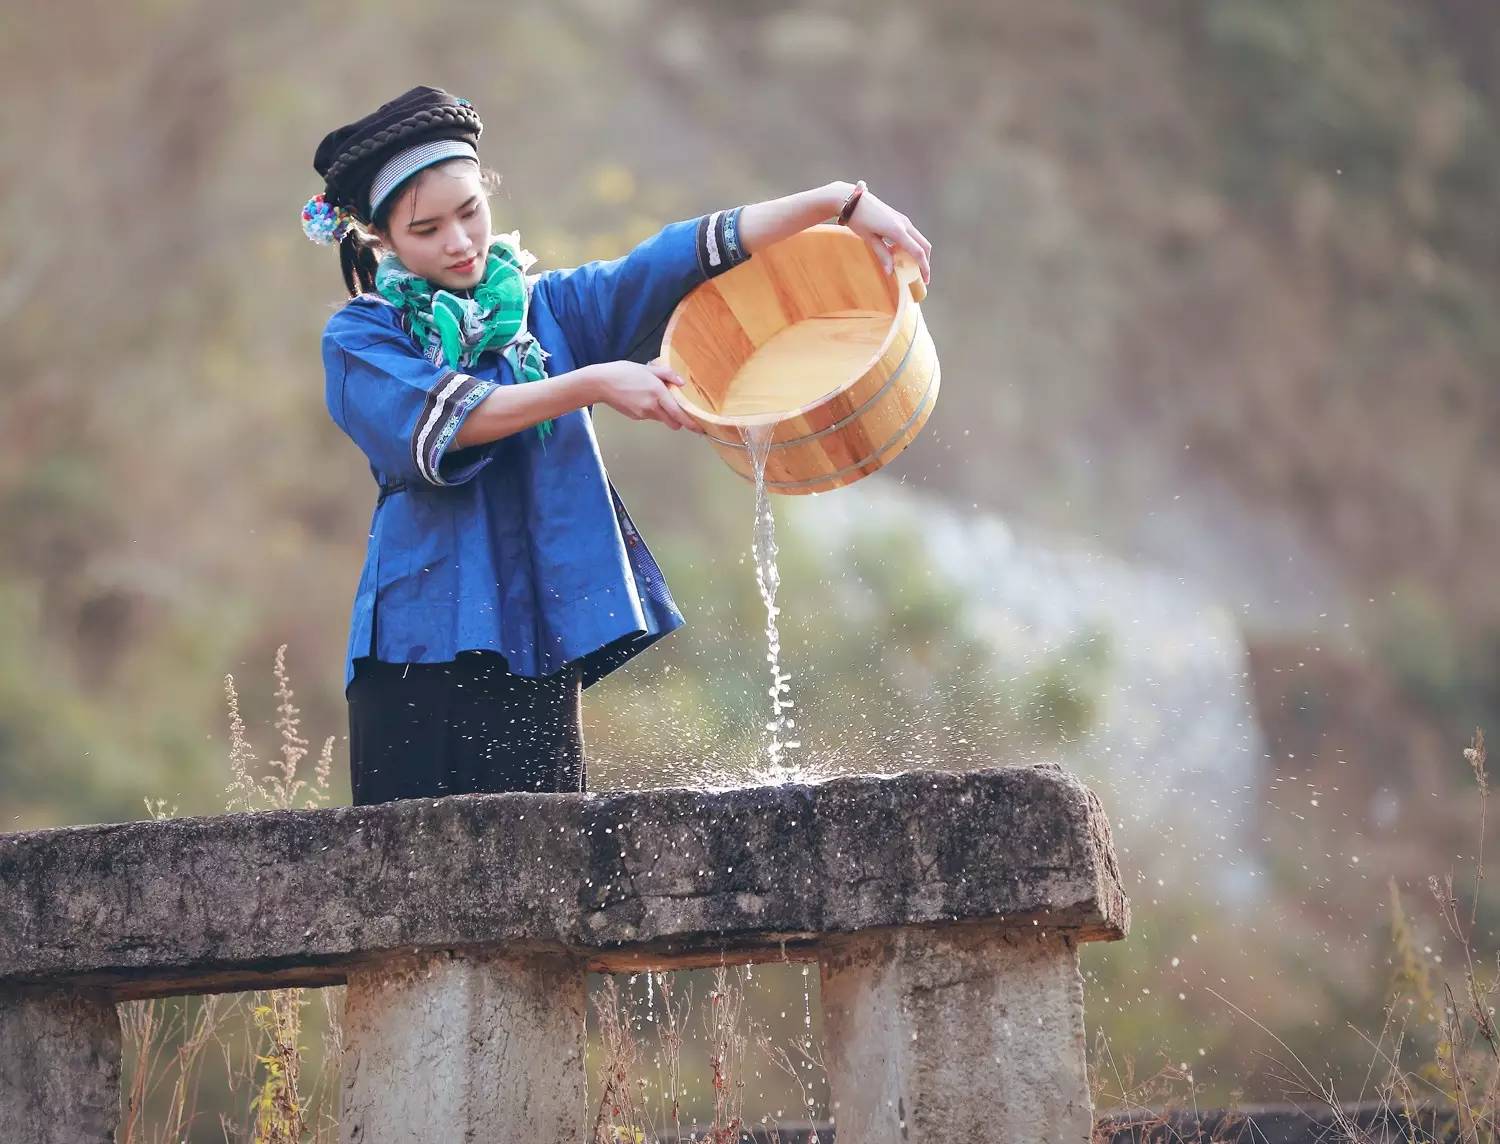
(661, 878)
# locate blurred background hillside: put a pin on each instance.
(1206, 508)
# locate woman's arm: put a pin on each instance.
(637, 391)
(618, 309)
(510, 408)
(762, 224)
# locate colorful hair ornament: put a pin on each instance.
(325, 224)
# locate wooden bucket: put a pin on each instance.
(811, 339)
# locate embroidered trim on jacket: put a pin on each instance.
(450, 398)
(719, 246)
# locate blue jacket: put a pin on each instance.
(512, 546)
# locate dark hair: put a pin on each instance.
(358, 252)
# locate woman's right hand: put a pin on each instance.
(644, 392)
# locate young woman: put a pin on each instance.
(503, 574)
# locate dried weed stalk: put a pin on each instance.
(1455, 1094)
(627, 1114)
(169, 1047)
(808, 1057)
(1149, 1107)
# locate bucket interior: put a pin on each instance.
(796, 323)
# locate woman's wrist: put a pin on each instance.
(588, 384)
(837, 191)
(767, 223)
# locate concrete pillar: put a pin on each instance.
(59, 1068)
(447, 1047)
(955, 1034)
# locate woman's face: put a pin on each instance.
(440, 225)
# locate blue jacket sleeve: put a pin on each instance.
(399, 408)
(619, 309)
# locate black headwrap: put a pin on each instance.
(349, 157)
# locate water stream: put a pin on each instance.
(768, 578)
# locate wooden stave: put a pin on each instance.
(909, 327)
(885, 455)
(898, 390)
(886, 430)
(903, 353)
(693, 314)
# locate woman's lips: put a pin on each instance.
(462, 267)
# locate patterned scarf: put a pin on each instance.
(455, 329)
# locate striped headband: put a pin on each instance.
(406, 163)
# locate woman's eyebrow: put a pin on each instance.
(424, 221)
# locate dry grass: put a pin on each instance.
(258, 1035)
(633, 1110)
(624, 1116)
(1453, 1092)
(1435, 1069)
(1150, 1106)
(1457, 1091)
(806, 1057)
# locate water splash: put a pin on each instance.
(806, 1001)
(768, 578)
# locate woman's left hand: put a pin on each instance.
(887, 230)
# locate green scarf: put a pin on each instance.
(459, 328)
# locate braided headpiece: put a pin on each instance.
(350, 157)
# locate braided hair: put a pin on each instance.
(349, 158)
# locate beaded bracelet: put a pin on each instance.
(847, 211)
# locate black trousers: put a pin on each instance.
(421, 730)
